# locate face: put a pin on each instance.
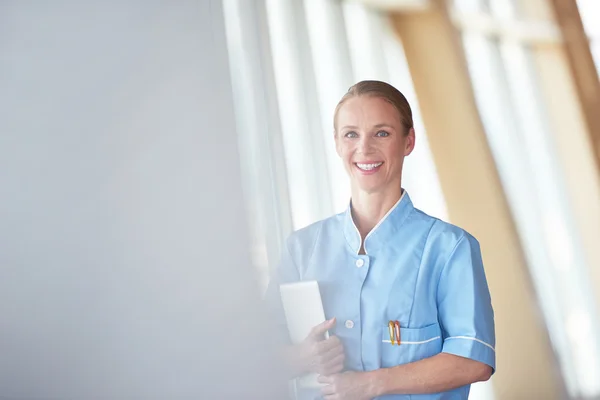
(372, 143)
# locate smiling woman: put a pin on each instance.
(375, 135)
(408, 306)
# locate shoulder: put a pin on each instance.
(450, 249)
(442, 235)
(304, 239)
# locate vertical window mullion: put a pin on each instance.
(334, 75)
(305, 153)
(263, 168)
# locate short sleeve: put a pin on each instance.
(285, 272)
(464, 305)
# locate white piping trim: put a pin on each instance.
(376, 226)
(474, 339)
(385, 216)
(357, 232)
(402, 342)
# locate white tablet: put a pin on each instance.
(303, 310)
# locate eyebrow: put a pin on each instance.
(376, 126)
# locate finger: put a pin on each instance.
(327, 390)
(331, 397)
(323, 359)
(334, 369)
(334, 366)
(318, 331)
(324, 379)
(325, 346)
(336, 359)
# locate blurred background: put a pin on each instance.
(506, 99)
(153, 151)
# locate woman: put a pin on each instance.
(409, 306)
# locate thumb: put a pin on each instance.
(318, 331)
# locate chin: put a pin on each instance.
(370, 188)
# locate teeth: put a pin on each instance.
(368, 167)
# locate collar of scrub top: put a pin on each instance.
(380, 234)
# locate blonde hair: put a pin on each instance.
(384, 91)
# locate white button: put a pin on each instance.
(360, 262)
(349, 324)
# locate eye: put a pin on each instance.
(382, 134)
(351, 134)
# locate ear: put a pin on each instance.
(410, 142)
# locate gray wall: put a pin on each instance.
(123, 256)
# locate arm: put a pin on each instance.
(439, 373)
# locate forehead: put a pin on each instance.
(367, 110)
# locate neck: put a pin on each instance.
(369, 208)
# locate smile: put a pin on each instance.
(369, 167)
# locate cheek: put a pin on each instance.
(345, 151)
(341, 148)
(395, 150)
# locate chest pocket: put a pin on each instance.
(415, 344)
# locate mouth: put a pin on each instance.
(369, 167)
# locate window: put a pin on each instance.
(590, 15)
(518, 131)
(260, 140)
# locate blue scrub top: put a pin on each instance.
(425, 273)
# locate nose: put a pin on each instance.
(365, 145)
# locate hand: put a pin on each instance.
(348, 386)
(323, 356)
